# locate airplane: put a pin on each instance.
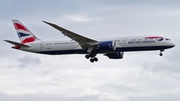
(112, 48)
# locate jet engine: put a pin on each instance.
(107, 45)
(117, 55)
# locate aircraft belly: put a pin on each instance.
(62, 49)
(142, 48)
(62, 52)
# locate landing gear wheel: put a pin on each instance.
(95, 59)
(87, 56)
(92, 60)
(92, 57)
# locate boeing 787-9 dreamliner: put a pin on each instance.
(112, 48)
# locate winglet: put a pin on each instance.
(46, 22)
(51, 24)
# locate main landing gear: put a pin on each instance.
(92, 58)
(161, 54)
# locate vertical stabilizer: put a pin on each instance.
(24, 34)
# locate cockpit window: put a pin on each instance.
(168, 39)
(159, 39)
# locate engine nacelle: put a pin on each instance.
(106, 46)
(117, 55)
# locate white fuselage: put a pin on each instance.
(57, 47)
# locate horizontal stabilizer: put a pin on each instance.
(16, 43)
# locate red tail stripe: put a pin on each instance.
(31, 39)
(19, 26)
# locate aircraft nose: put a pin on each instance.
(172, 44)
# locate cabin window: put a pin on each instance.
(49, 43)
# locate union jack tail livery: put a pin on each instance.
(24, 34)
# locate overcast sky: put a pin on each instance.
(140, 76)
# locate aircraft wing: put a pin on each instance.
(84, 42)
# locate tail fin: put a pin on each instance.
(24, 34)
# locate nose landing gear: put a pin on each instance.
(161, 54)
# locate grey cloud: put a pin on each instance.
(44, 97)
(68, 7)
(28, 61)
(157, 97)
(170, 63)
(118, 88)
(165, 66)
